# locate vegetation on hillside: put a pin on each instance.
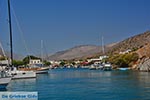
(124, 60)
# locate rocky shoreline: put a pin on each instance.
(144, 65)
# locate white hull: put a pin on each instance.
(40, 70)
(107, 67)
(4, 82)
(23, 74)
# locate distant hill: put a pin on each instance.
(76, 52)
(85, 51)
(16, 56)
(79, 52)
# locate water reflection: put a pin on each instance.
(22, 84)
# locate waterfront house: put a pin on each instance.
(35, 61)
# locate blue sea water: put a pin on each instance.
(84, 84)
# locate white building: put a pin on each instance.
(35, 61)
(125, 52)
(55, 62)
(103, 57)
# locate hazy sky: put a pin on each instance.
(63, 24)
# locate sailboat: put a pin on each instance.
(16, 74)
(37, 65)
(4, 76)
(106, 66)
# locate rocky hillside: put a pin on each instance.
(144, 58)
(132, 43)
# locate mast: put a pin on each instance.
(103, 45)
(42, 52)
(10, 32)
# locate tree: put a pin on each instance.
(17, 63)
(46, 63)
(62, 63)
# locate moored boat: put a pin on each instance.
(123, 69)
(17, 74)
(107, 67)
(4, 80)
(35, 68)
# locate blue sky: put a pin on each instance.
(63, 24)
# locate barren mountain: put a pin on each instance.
(76, 52)
(83, 51)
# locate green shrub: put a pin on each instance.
(124, 60)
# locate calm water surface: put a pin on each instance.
(84, 84)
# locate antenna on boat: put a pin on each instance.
(10, 32)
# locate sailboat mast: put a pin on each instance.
(103, 45)
(10, 32)
(42, 51)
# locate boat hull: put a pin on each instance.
(41, 70)
(23, 75)
(123, 69)
(107, 67)
(4, 82)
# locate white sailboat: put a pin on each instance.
(106, 66)
(16, 74)
(4, 77)
(37, 65)
(4, 81)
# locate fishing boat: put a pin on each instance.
(16, 74)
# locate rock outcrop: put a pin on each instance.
(144, 65)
